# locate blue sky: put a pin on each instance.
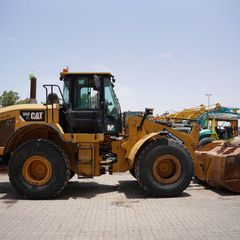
(165, 54)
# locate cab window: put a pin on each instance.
(86, 97)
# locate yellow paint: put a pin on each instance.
(1, 151)
(151, 130)
(84, 137)
(125, 149)
(167, 169)
(138, 145)
(122, 164)
(37, 170)
(190, 113)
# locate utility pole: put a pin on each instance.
(208, 95)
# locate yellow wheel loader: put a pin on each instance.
(80, 131)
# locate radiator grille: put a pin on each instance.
(6, 129)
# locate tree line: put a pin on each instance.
(9, 98)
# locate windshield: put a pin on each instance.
(112, 106)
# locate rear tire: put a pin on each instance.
(164, 170)
(39, 169)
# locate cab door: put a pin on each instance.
(85, 110)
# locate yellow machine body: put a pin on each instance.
(126, 149)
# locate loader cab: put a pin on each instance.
(92, 104)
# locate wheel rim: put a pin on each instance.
(37, 170)
(166, 169)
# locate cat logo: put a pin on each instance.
(37, 116)
(110, 128)
(32, 115)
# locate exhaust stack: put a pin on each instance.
(33, 88)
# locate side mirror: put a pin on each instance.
(148, 111)
(97, 83)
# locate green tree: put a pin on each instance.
(9, 98)
(23, 101)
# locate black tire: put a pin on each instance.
(180, 175)
(55, 180)
(204, 141)
(197, 180)
(132, 172)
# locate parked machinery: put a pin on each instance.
(80, 131)
(217, 122)
(220, 164)
(218, 154)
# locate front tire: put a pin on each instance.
(164, 170)
(39, 169)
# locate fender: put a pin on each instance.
(138, 145)
(37, 130)
(155, 135)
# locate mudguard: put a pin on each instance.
(138, 145)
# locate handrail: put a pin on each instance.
(64, 103)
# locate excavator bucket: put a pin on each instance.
(220, 164)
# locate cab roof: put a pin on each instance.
(63, 74)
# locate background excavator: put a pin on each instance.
(217, 122)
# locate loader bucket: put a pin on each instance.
(220, 163)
